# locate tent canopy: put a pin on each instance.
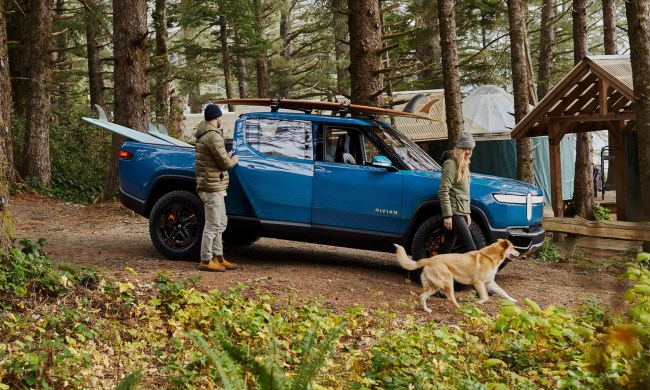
(488, 111)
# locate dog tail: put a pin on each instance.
(404, 260)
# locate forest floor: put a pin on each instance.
(116, 241)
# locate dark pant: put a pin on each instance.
(459, 229)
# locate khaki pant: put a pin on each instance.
(215, 224)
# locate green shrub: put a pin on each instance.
(601, 213)
(549, 252)
(79, 155)
(26, 272)
(168, 334)
(644, 259)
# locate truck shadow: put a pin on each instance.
(297, 253)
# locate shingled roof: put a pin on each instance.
(597, 92)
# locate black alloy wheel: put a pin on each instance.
(176, 225)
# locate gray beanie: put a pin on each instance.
(465, 141)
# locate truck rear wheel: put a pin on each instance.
(176, 225)
(430, 235)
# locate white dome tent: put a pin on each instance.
(489, 111)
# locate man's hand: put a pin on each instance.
(469, 219)
(234, 158)
(447, 222)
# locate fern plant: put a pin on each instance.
(235, 364)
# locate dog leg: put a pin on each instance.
(423, 299)
(482, 292)
(448, 289)
(493, 286)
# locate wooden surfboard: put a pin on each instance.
(309, 105)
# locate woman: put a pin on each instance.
(454, 194)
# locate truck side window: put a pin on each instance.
(370, 150)
(342, 145)
(280, 137)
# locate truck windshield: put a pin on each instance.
(414, 157)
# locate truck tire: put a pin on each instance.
(176, 225)
(429, 237)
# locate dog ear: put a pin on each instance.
(503, 243)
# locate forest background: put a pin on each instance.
(153, 61)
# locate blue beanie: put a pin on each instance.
(212, 111)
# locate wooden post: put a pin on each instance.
(554, 139)
(620, 166)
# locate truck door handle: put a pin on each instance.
(257, 167)
(322, 170)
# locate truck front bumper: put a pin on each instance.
(525, 239)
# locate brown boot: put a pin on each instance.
(211, 266)
(225, 263)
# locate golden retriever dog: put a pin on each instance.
(477, 268)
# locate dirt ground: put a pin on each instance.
(112, 238)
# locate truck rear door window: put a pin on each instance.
(280, 137)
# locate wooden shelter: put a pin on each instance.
(596, 95)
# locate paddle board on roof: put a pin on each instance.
(294, 104)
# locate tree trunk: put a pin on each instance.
(263, 82)
(609, 30)
(520, 82)
(583, 193)
(240, 68)
(609, 26)
(59, 60)
(286, 52)
(95, 79)
(364, 24)
(6, 162)
(638, 20)
(194, 99)
(175, 116)
(546, 42)
(18, 32)
(427, 47)
(225, 55)
(262, 61)
(451, 78)
(341, 46)
(132, 107)
(162, 60)
(37, 163)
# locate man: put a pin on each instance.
(212, 165)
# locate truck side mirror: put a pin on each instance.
(383, 162)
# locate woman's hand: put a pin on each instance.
(469, 219)
(447, 223)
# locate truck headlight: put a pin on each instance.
(529, 200)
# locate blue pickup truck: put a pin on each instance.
(339, 180)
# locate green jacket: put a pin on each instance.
(212, 161)
(453, 195)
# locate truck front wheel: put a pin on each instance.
(176, 225)
(430, 235)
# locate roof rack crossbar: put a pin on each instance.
(275, 104)
(344, 108)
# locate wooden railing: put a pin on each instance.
(576, 227)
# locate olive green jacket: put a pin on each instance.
(453, 195)
(212, 161)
